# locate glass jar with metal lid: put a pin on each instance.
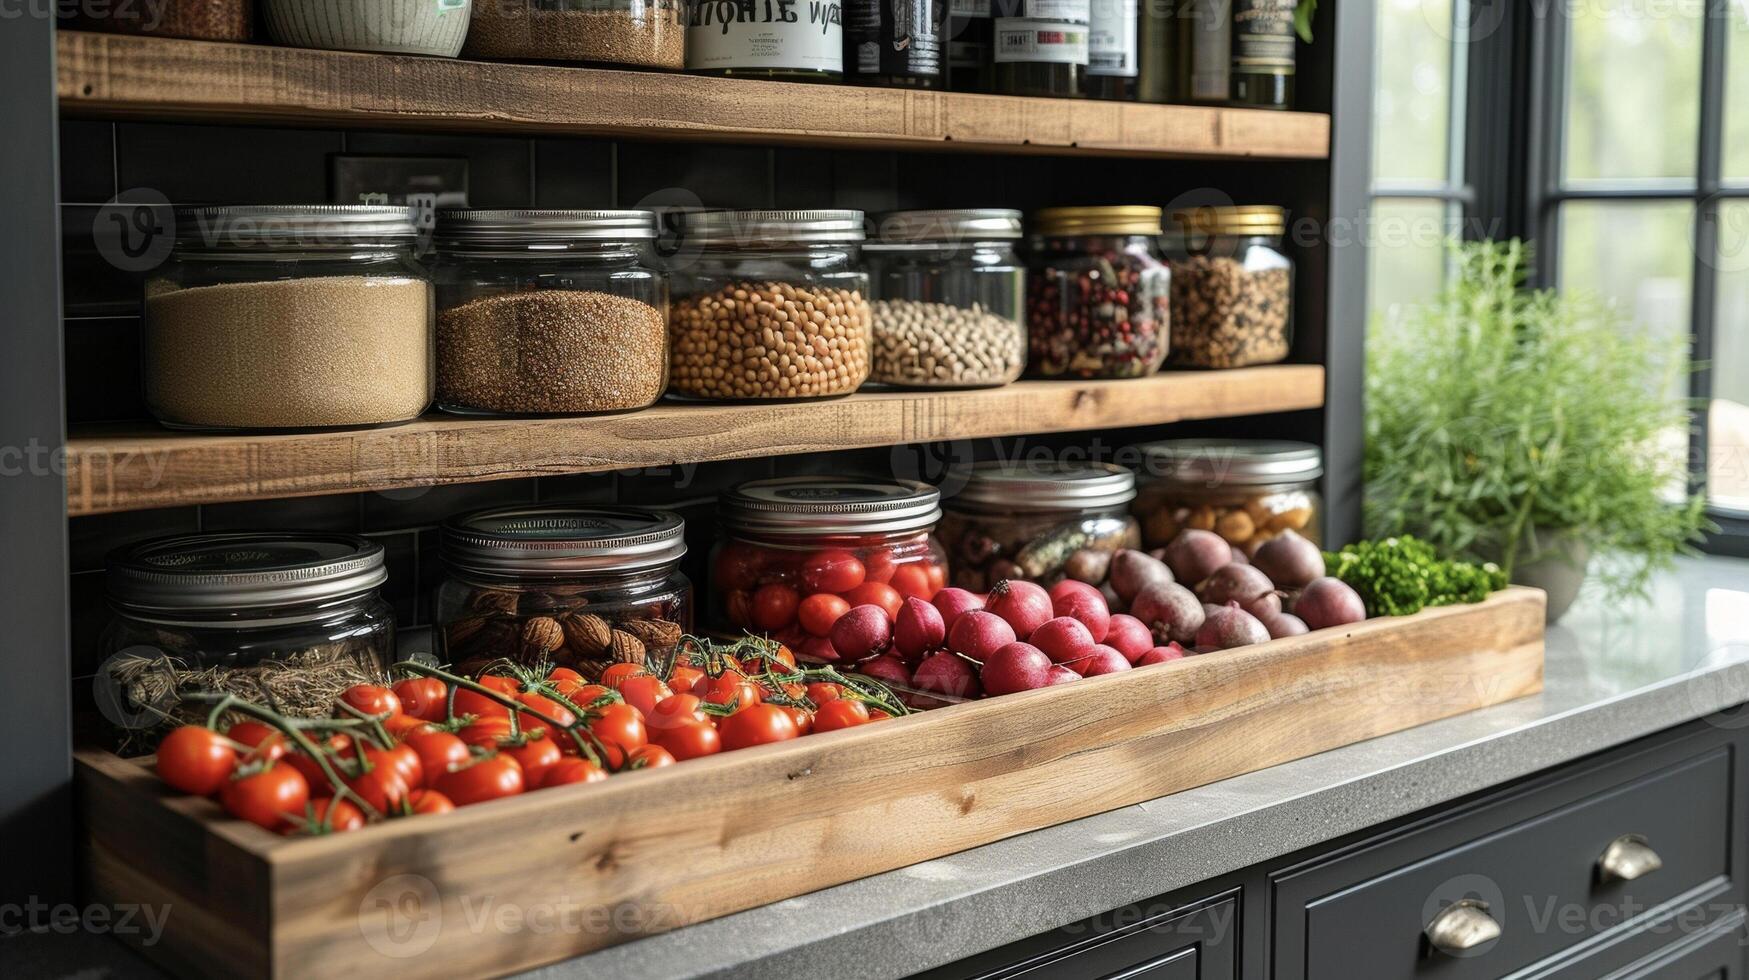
(1232, 287)
(543, 312)
(794, 554)
(580, 587)
(1037, 521)
(296, 317)
(949, 298)
(641, 33)
(1245, 490)
(768, 304)
(1098, 295)
(283, 620)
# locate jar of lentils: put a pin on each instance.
(1245, 490)
(1035, 521)
(1098, 295)
(549, 312)
(769, 304)
(949, 299)
(1232, 287)
(581, 587)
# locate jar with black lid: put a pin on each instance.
(1098, 295)
(766, 39)
(575, 586)
(1263, 53)
(1246, 490)
(1027, 520)
(1040, 47)
(285, 620)
(895, 42)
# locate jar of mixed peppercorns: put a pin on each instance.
(1098, 296)
(793, 555)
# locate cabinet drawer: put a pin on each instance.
(1364, 915)
(1186, 942)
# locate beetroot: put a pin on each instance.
(1328, 602)
(1266, 605)
(1016, 667)
(1063, 639)
(862, 632)
(1195, 555)
(1169, 611)
(952, 603)
(1160, 655)
(918, 630)
(818, 648)
(1290, 561)
(887, 669)
(1239, 556)
(1129, 636)
(1060, 674)
(1134, 571)
(1234, 583)
(1081, 601)
(1025, 605)
(945, 673)
(1103, 660)
(977, 634)
(1283, 624)
(1230, 627)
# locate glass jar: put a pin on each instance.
(1245, 490)
(1040, 47)
(386, 26)
(949, 299)
(543, 312)
(580, 587)
(1113, 51)
(1232, 287)
(1035, 521)
(1263, 53)
(639, 33)
(971, 32)
(1098, 296)
(781, 543)
(297, 317)
(769, 304)
(794, 41)
(198, 20)
(895, 42)
(284, 620)
(1203, 52)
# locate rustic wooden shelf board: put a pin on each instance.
(131, 77)
(137, 467)
(650, 851)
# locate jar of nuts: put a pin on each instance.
(1097, 294)
(1247, 491)
(949, 298)
(1232, 287)
(581, 587)
(1031, 520)
(768, 304)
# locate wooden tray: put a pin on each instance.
(517, 883)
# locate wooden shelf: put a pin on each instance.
(113, 76)
(139, 467)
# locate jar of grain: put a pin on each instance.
(198, 20)
(640, 33)
(578, 586)
(949, 298)
(543, 312)
(289, 317)
(768, 304)
(282, 619)
(1034, 519)
(1232, 287)
(1097, 293)
(1245, 490)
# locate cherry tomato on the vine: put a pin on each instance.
(535, 756)
(546, 706)
(270, 797)
(649, 757)
(480, 706)
(620, 730)
(617, 674)
(690, 740)
(803, 718)
(196, 759)
(381, 786)
(264, 741)
(821, 692)
(327, 816)
(673, 711)
(424, 698)
(429, 801)
(558, 674)
(757, 725)
(372, 700)
(840, 713)
(818, 612)
(572, 770)
(687, 680)
(832, 570)
(735, 690)
(438, 751)
(489, 777)
(643, 692)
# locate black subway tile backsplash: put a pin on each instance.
(498, 166)
(87, 161)
(225, 164)
(573, 173)
(103, 370)
(413, 507)
(715, 176)
(334, 512)
(91, 539)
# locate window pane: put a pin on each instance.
(1728, 427)
(1633, 95)
(1737, 97)
(1406, 264)
(1412, 90)
(1637, 254)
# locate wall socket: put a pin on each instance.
(427, 183)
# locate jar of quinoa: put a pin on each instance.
(1098, 295)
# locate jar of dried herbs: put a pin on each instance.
(581, 587)
(285, 620)
(1232, 287)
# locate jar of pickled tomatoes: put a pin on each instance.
(794, 554)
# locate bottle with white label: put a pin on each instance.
(794, 39)
(1263, 52)
(1112, 53)
(1040, 47)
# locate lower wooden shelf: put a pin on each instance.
(137, 467)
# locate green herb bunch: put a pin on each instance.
(1501, 414)
(1401, 575)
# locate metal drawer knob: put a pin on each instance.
(1462, 926)
(1626, 858)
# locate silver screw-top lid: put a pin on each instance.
(1233, 462)
(945, 225)
(1047, 485)
(752, 229)
(479, 227)
(243, 570)
(274, 225)
(549, 540)
(831, 505)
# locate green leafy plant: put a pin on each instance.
(1501, 417)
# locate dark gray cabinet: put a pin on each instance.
(1194, 941)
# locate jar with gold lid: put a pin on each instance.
(1232, 286)
(1098, 294)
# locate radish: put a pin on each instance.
(1025, 605)
(1083, 602)
(945, 673)
(918, 630)
(887, 669)
(1063, 640)
(1160, 655)
(953, 602)
(862, 632)
(1103, 660)
(1129, 636)
(1060, 674)
(978, 634)
(1016, 667)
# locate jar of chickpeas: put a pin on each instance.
(1245, 490)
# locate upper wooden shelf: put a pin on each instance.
(114, 76)
(137, 467)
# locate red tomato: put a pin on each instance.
(774, 606)
(425, 698)
(733, 689)
(757, 725)
(688, 680)
(617, 674)
(673, 711)
(558, 674)
(649, 757)
(937, 573)
(546, 706)
(620, 730)
(422, 801)
(404, 759)
(371, 699)
(912, 579)
(803, 718)
(737, 566)
(336, 745)
(401, 726)
(269, 798)
(876, 714)
(508, 686)
(840, 713)
(821, 692)
(382, 787)
(579, 693)
(195, 759)
(876, 594)
(438, 752)
(567, 771)
(818, 612)
(480, 706)
(738, 607)
(489, 777)
(690, 740)
(486, 732)
(327, 816)
(832, 571)
(643, 692)
(879, 563)
(535, 756)
(264, 741)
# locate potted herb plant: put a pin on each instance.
(1530, 428)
